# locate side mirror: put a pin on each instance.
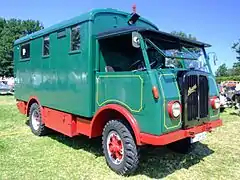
(215, 59)
(136, 39)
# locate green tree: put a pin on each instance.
(10, 30)
(236, 65)
(184, 35)
(187, 36)
(222, 70)
(236, 68)
(236, 47)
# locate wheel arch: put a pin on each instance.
(33, 99)
(113, 111)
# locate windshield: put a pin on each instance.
(173, 55)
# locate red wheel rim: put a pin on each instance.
(115, 147)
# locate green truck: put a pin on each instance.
(113, 74)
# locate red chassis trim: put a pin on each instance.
(179, 134)
(72, 125)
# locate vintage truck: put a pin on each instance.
(113, 74)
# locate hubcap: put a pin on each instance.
(35, 119)
(115, 147)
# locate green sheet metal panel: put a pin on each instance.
(213, 91)
(134, 92)
(60, 81)
(170, 91)
(122, 88)
(109, 20)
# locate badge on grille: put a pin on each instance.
(192, 89)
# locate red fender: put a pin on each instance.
(100, 118)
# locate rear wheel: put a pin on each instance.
(119, 148)
(183, 146)
(35, 120)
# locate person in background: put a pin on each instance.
(11, 81)
(237, 86)
(237, 97)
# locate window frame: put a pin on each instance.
(76, 26)
(61, 31)
(43, 43)
(20, 51)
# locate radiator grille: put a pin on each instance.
(192, 97)
(196, 97)
(203, 96)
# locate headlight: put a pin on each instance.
(174, 109)
(215, 103)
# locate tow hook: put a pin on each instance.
(209, 129)
(191, 133)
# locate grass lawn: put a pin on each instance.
(25, 156)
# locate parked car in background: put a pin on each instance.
(5, 88)
(224, 102)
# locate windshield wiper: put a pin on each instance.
(157, 48)
(167, 56)
(191, 53)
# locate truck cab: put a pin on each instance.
(165, 81)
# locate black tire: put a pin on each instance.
(41, 129)
(130, 158)
(183, 146)
(222, 109)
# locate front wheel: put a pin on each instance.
(119, 147)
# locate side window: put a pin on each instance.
(75, 38)
(118, 54)
(46, 46)
(25, 51)
(61, 33)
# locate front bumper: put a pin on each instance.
(179, 134)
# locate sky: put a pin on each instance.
(216, 22)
